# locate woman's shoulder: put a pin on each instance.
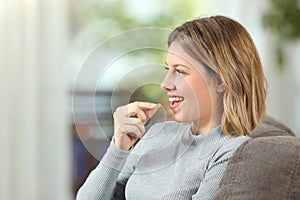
(234, 142)
(229, 145)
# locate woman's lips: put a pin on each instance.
(175, 101)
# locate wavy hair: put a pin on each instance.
(226, 48)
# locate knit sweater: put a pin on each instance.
(168, 163)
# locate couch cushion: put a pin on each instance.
(263, 168)
(271, 127)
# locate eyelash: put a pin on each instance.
(180, 72)
(177, 71)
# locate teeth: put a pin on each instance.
(176, 99)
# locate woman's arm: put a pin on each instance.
(102, 181)
(110, 176)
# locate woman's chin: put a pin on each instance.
(178, 117)
(184, 117)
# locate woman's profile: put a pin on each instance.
(216, 89)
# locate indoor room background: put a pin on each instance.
(66, 65)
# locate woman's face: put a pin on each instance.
(191, 90)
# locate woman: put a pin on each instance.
(215, 85)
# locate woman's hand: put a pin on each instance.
(129, 123)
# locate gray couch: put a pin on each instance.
(265, 167)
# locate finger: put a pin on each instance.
(144, 105)
(135, 110)
(151, 112)
(132, 121)
(141, 115)
(149, 109)
(124, 112)
(132, 130)
(141, 110)
(132, 112)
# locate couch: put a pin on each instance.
(267, 166)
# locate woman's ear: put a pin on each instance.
(220, 87)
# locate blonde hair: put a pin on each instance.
(226, 48)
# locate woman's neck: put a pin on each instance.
(205, 125)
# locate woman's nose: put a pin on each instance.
(168, 83)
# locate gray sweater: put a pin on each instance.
(169, 162)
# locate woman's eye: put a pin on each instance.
(179, 72)
(166, 68)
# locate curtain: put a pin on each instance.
(35, 141)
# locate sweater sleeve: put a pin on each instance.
(103, 182)
(216, 169)
(108, 180)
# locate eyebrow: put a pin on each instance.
(177, 65)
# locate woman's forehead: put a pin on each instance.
(176, 51)
(177, 55)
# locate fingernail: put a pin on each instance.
(157, 105)
(153, 105)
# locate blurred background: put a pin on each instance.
(66, 65)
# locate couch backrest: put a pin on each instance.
(267, 166)
(271, 127)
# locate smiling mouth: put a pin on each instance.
(175, 101)
(179, 99)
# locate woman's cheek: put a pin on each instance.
(201, 91)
